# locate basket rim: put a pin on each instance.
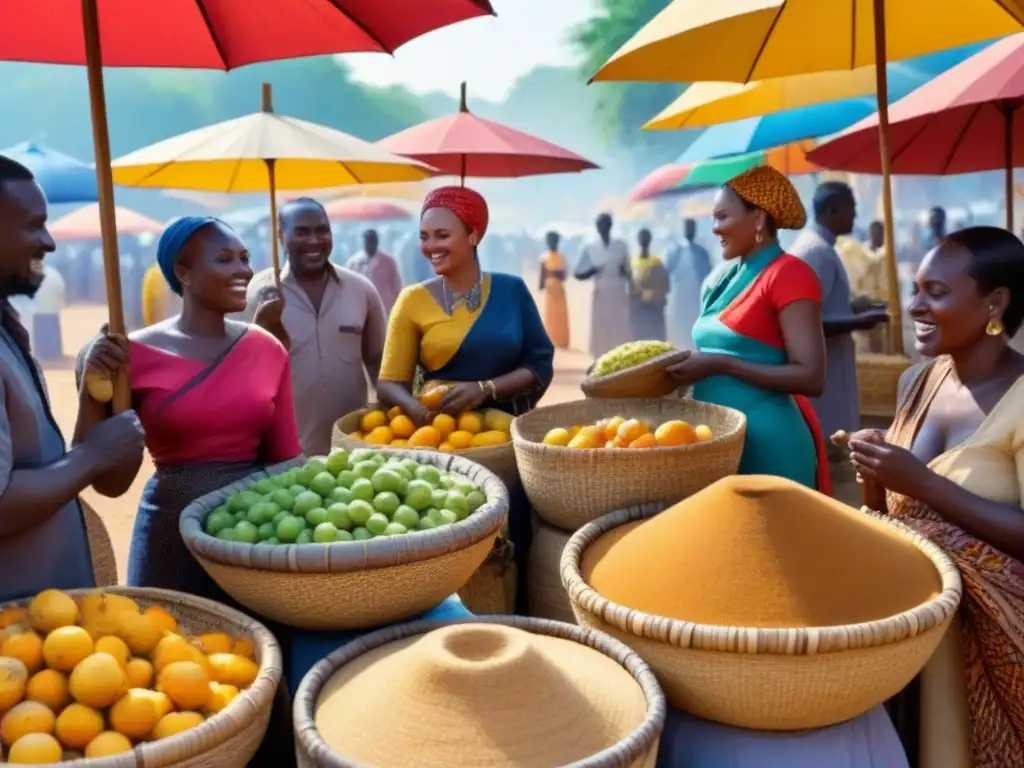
(218, 728)
(786, 641)
(521, 442)
(630, 748)
(350, 556)
(665, 359)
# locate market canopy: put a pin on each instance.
(84, 224)
(64, 179)
(365, 209)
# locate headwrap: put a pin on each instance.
(173, 239)
(773, 193)
(468, 204)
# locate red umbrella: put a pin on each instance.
(364, 209)
(466, 145)
(960, 122)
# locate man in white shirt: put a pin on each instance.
(606, 260)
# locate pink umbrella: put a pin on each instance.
(364, 209)
(466, 145)
(84, 224)
(960, 122)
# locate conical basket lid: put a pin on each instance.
(478, 695)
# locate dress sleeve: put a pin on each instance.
(538, 353)
(402, 346)
(794, 281)
(281, 441)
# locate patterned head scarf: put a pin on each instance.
(773, 193)
(468, 204)
(173, 239)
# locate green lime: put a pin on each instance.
(377, 524)
(288, 530)
(226, 534)
(359, 512)
(246, 532)
(316, 516)
(438, 497)
(386, 503)
(273, 541)
(306, 537)
(447, 517)
(265, 485)
(295, 490)
(463, 486)
(429, 474)
(284, 498)
(325, 533)
(407, 516)
(337, 462)
(419, 495)
(316, 466)
(426, 524)
(323, 484)
(395, 529)
(346, 477)
(475, 499)
(218, 520)
(261, 513)
(304, 475)
(267, 531)
(337, 515)
(342, 494)
(279, 517)
(346, 536)
(447, 482)
(360, 454)
(457, 503)
(366, 469)
(388, 480)
(361, 534)
(306, 501)
(362, 489)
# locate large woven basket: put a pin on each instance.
(545, 594)
(492, 587)
(500, 459)
(570, 487)
(649, 379)
(101, 549)
(230, 738)
(638, 750)
(353, 584)
(771, 679)
(878, 378)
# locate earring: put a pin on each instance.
(758, 238)
(995, 328)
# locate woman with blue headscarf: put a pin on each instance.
(213, 395)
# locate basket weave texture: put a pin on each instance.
(878, 378)
(570, 487)
(545, 593)
(649, 379)
(101, 549)
(230, 738)
(771, 679)
(499, 459)
(352, 584)
(638, 750)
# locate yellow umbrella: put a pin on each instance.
(745, 40)
(263, 152)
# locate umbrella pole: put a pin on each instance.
(105, 188)
(1008, 111)
(892, 275)
(272, 185)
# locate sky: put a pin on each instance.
(489, 53)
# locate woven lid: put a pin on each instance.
(763, 552)
(478, 695)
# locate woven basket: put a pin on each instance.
(353, 584)
(492, 588)
(546, 595)
(230, 738)
(500, 459)
(649, 379)
(878, 378)
(771, 679)
(570, 487)
(101, 549)
(638, 750)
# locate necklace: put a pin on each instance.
(453, 299)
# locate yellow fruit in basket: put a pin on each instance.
(26, 717)
(134, 714)
(11, 616)
(490, 438)
(175, 722)
(402, 426)
(97, 681)
(66, 647)
(497, 420)
(233, 670)
(432, 394)
(161, 701)
(379, 436)
(100, 612)
(13, 679)
(575, 430)
(138, 673)
(373, 419)
(611, 427)
(173, 648)
(35, 749)
(471, 422)
(675, 432)
(357, 435)
(631, 429)
(557, 436)
(49, 687)
(703, 432)
(214, 642)
(51, 609)
(186, 684)
(425, 437)
(646, 440)
(107, 744)
(115, 646)
(244, 647)
(399, 443)
(460, 440)
(140, 633)
(221, 695)
(444, 423)
(394, 411)
(163, 618)
(585, 442)
(446, 447)
(26, 647)
(77, 725)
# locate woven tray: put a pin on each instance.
(354, 584)
(500, 459)
(770, 679)
(638, 750)
(230, 738)
(570, 487)
(649, 379)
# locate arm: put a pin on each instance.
(401, 354)
(375, 330)
(281, 440)
(585, 269)
(543, 276)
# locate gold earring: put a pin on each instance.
(758, 238)
(995, 328)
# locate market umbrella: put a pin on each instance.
(744, 40)
(961, 122)
(207, 34)
(682, 177)
(85, 223)
(263, 152)
(65, 179)
(466, 145)
(365, 209)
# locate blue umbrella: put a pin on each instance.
(62, 177)
(813, 122)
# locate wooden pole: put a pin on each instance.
(892, 275)
(268, 106)
(463, 107)
(105, 188)
(1008, 110)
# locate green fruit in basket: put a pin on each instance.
(343, 495)
(284, 499)
(447, 482)
(362, 490)
(226, 534)
(337, 515)
(288, 530)
(323, 484)
(366, 468)
(463, 486)
(475, 499)
(306, 501)
(418, 495)
(426, 524)
(337, 462)
(316, 516)
(361, 534)
(344, 536)
(304, 475)
(218, 520)
(457, 503)
(263, 512)
(377, 524)
(359, 511)
(360, 454)
(295, 490)
(267, 531)
(386, 503)
(286, 479)
(411, 464)
(279, 517)
(273, 541)
(388, 480)
(306, 537)
(429, 474)
(438, 497)
(346, 477)
(407, 516)
(317, 466)
(240, 515)
(628, 355)
(446, 517)
(242, 501)
(395, 529)
(325, 533)
(265, 485)
(246, 532)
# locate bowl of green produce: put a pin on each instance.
(634, 369)
(351, 540)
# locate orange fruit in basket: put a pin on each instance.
(645, 440)
(23, 718)
(51, 609)
(77, 725)
(399, 443)
(134, 714)
(444, 423)
(575, 430)
(425, 437)
(186, 684)
(114, 646)
(48, 687)
(372, 419)
(244, 647)
(471, 422)
(432, 394)
(138, 673)
(379, 436)
(584, 441)
(446, 448)
(703, 432)
(26, 647)
(35, 749)
(107, 744)
(402, 427)
(632, 429)
(460, 440)
(163, 618)
(64, 648)
(97, 681)
(13, 678)
(394, 411)
(176, 722)
(357, 435)
(675, 432)
(611, 427)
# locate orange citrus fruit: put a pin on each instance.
(611, 427)
(425, 437)
(373, 419)
(444, 424)
(471, 422)
(432, 394)
(645, 440)
(632, 429)
(703, 432)
(675, 433)
(460, 440)
(446, 448)
(398, 443)
(379, 436)
(402, 426)
(394, 411)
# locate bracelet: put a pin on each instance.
(488, 388)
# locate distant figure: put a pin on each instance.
(936, 228)
(159, 302)
(688, 267)
(606, 259)
(876, 237)
(553, 271)
(650, 287)
(379, 267)
(50, 299)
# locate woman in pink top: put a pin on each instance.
(214, 396)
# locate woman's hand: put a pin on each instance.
(695, 367)
(895, 469)
(107, 358)
(465, 396)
